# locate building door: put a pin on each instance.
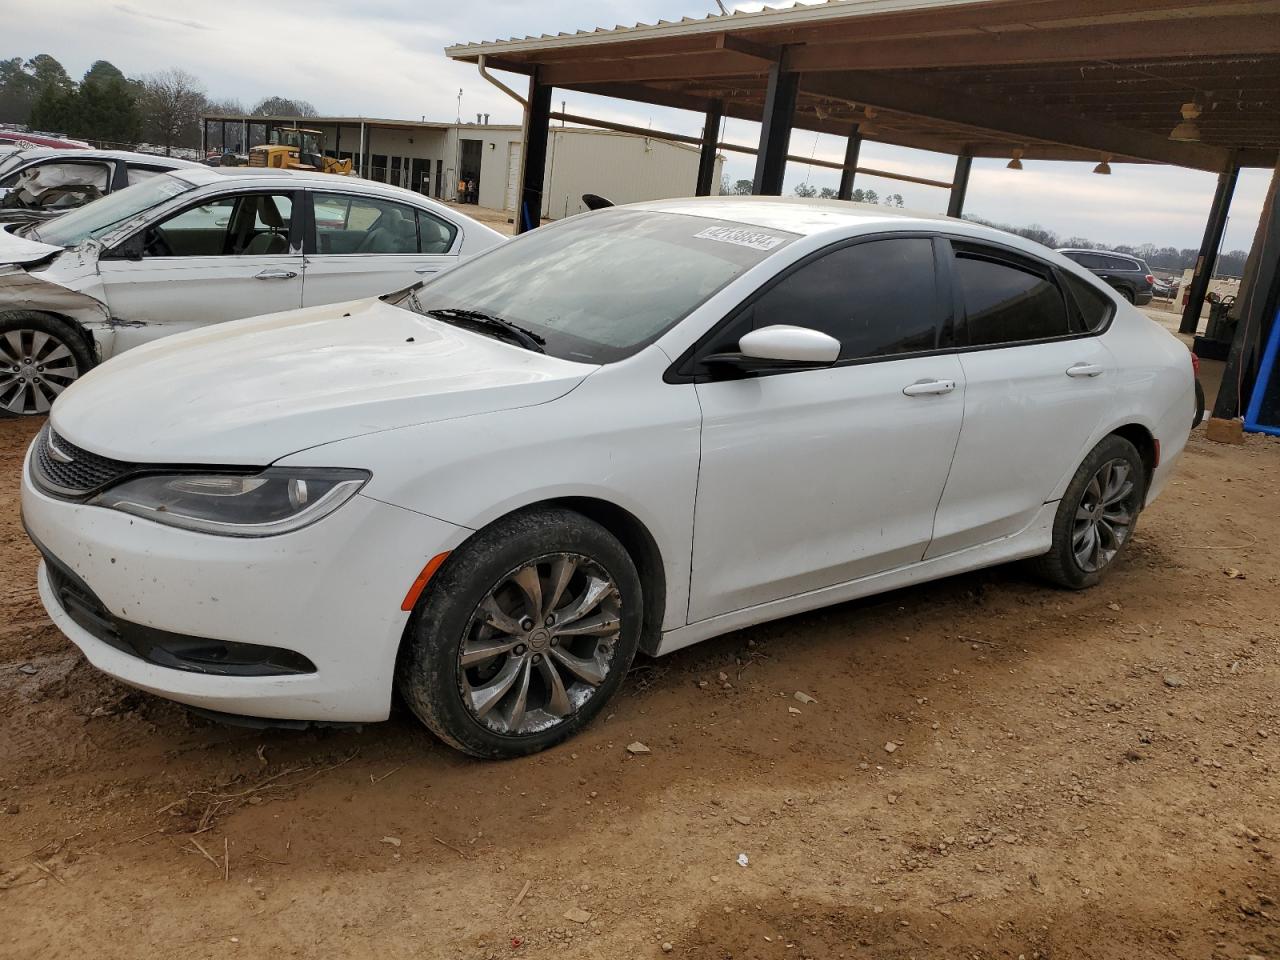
(397, 172)
(420, 175)
(469, 173)
(514, 153)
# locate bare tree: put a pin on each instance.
(172, 103)
(283, 107)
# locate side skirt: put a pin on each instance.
(1035, 539)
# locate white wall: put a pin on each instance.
(622, 167)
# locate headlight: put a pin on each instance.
(275, 501)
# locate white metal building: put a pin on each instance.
(435, 158)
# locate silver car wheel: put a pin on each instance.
(34, 368)
(540, 644)
(1104, 516)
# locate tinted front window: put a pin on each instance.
(1005, 303)
(1090, 260)
(877, 298)
(602, 286)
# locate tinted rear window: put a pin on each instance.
(1008, 303)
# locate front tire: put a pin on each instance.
(523, 634)
(1096, 516)
(40, 356)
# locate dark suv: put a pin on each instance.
(1127, 274)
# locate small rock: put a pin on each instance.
(722, 676)
(742, 860)
(890, 747)
(1114, 606)
(745, 821)
(577, 915)
(393, 841)
(667, 948)
(1233, 574)
(793, 710)
(804, 697)
(30, 669)
(637, 749)
(1172, 680)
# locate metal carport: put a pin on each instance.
(1084, 80)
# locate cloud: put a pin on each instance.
(161, 18)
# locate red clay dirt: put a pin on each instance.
(992, 768)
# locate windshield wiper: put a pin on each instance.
(487, 322)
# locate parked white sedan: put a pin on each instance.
(199, 246)
(633, 429)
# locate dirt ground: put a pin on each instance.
(991, 768)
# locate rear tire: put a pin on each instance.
(1127, 294)
(523, 635)
(40, 356)
(1096, 516)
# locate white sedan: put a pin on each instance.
(200, 246)
(633, 429)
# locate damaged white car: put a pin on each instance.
(43, 184)
(195, 247)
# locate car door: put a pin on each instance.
(810, 478)
(225, 257)
(1038, 380)
(364, 246)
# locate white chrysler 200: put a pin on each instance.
(633, 429)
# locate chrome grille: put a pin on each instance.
(62, 468)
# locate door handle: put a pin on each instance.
(929, 388)
(427, 270)
(1084, 370)
(271, 274)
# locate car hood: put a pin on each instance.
(21, 251)
(252, 391)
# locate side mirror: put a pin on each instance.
(129, 249)
(780, 347)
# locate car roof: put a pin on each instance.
(40, 153)
(809, 217)
(1109, 253)
(201, 175)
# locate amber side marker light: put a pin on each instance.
(429, 571)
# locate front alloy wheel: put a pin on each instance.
(540, 644)
(34, 368)
(523, 634)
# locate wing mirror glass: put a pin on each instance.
(779, 347)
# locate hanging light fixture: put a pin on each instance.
(1104, 167)
(1188, 131)
(865, 127)
(1016, 162)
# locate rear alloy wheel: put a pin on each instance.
(523, 634)
(40, 356)
(1104, 516)
(1097, 515)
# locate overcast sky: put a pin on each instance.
(383, 58)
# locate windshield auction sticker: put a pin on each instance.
(743, 238)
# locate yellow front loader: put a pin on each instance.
(297, 149)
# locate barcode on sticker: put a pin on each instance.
(743, 238)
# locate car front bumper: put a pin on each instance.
(330, 592)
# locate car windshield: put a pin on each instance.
(98, 218)
(600, 287)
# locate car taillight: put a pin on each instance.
(1195, 365)
(1150, 279)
